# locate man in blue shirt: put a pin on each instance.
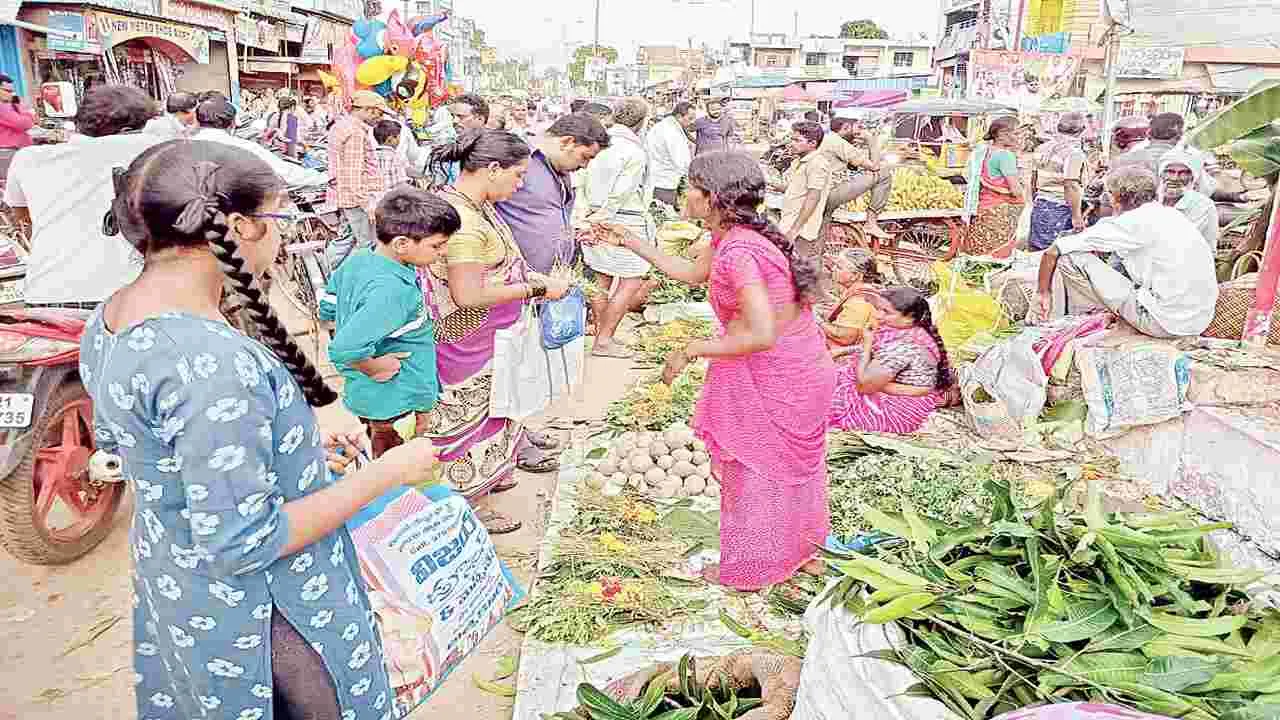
(716, 131)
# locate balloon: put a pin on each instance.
(397, 40)
(422, 24)
(407, 85)
(385, 88)
(370, 33)
(376, 70)
(344, 64)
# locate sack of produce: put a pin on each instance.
(961, 311)
(1005, 387)
(435, 583)
(1138, 383)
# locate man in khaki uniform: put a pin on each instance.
(838, 149)
(808, 185)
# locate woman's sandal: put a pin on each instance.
(542, 440)
(539, 465)
(497, 523)
(614, 350)
(505, 485)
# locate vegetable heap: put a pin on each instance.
(676, 696)
(1131, 609)
(671, 464)
(657, 343)
(653, 405)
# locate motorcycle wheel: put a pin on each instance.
(56, 467)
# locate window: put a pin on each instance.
(815, 59)
(771, 60)
(851, 64)
(904, 59)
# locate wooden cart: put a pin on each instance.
(920, 237)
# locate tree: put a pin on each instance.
(578, 68)
(863, 30)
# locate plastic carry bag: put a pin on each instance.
(563, 320)
(1005, 387)
(960, 310)
(435, 583)
(528, 377)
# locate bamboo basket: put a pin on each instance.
(1235, 300)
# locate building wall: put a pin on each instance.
(773, 58)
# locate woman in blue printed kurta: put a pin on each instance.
(246, 585)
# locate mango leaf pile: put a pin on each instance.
(1055, 607)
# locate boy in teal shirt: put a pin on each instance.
(383, 343)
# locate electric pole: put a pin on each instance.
(595, 50)
(1112, 38)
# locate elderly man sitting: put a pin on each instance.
(1167, 287)
(1180, 174)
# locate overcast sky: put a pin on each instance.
(525, 27)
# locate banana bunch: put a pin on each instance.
(913, 190)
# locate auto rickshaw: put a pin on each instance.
(941, 133)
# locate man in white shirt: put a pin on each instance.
(218, 116)
(1168, 287)
(179, 119)
(65, 191)
(670, 152)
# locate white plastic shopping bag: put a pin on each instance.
(435, 583)
(527, 377)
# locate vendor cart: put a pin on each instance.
(941, 133)
(920, 237)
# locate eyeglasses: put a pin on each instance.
(286, 222)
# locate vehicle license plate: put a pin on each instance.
(15, 409)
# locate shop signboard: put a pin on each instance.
(201, 13)
(116, 29)
(142, 7)
(1152, 62)
(1054, 43)
(1022, 80)
(318, 35)
(74, 37)
(258, 32)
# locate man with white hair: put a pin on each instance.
(1180, 173)
(1167, 287)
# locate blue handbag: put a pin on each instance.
(563, 320)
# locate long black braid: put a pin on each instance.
(222, 179)
(915, 305)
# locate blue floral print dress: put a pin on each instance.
(215, 436)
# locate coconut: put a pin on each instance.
(658, 449)
(635, 479)
(688, 438)
(627, 437)
(704, 471)
(683, 469)
(596, 480)
(695, 485)
(700, 458)
(682, 455)
(669, 488)
(640, 462)
(624, 466)
(618, 479)
(665, 462)
(645, 438)
(655, 476)
(608, 466)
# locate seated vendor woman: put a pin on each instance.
(1167, 288)
(856, 278)
(900, 373)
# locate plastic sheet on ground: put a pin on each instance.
(550, 673)
(670, 312)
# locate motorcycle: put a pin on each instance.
(57, 495)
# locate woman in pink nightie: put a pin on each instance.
(770, 379)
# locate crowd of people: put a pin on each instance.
(240, 491)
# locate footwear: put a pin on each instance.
(542, 440)
(497, 523)
(815, 567)
(505, 485)
(874, 230)
(538, 463)
(614, 350)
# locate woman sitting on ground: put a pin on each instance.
(899, 375)
(857, 277)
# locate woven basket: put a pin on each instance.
(1235, 300)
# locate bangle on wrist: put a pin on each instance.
(536, 289)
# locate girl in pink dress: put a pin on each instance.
(770, 380)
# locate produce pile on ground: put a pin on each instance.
(872, 471)
(1050, 606)
(612, 567)
(686, 240)
(654, 405)
(670, 464)
(657, 342)
(915, 190)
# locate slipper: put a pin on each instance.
(497, 523)
(540, 465)
(815, 567)
(879, 233)
(616, 351)
(542, 440)
(504, 486)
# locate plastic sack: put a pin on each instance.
(435, 583)
(1023, 232)
(1005, 387)
(960, 310)
(563, 320)
(839, 681)
(1138, 383)
(1079, 711)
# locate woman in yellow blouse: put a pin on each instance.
(480, 288)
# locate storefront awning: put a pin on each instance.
(1240, 78)
(37, 28)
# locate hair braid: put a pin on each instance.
(945, 377)
(805, 273)
(272, 330)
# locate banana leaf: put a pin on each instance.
(1255, 110)
(1258, 153)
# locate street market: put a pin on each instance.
(379, 360)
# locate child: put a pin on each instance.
(855, 314)
(384, 340)
(386, 133)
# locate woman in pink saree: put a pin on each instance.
(769, 381)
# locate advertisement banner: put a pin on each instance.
(116, 29)
(315, 40)
(1055, 43)
(1159, 63)
(72, 24)
(1018, 79)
